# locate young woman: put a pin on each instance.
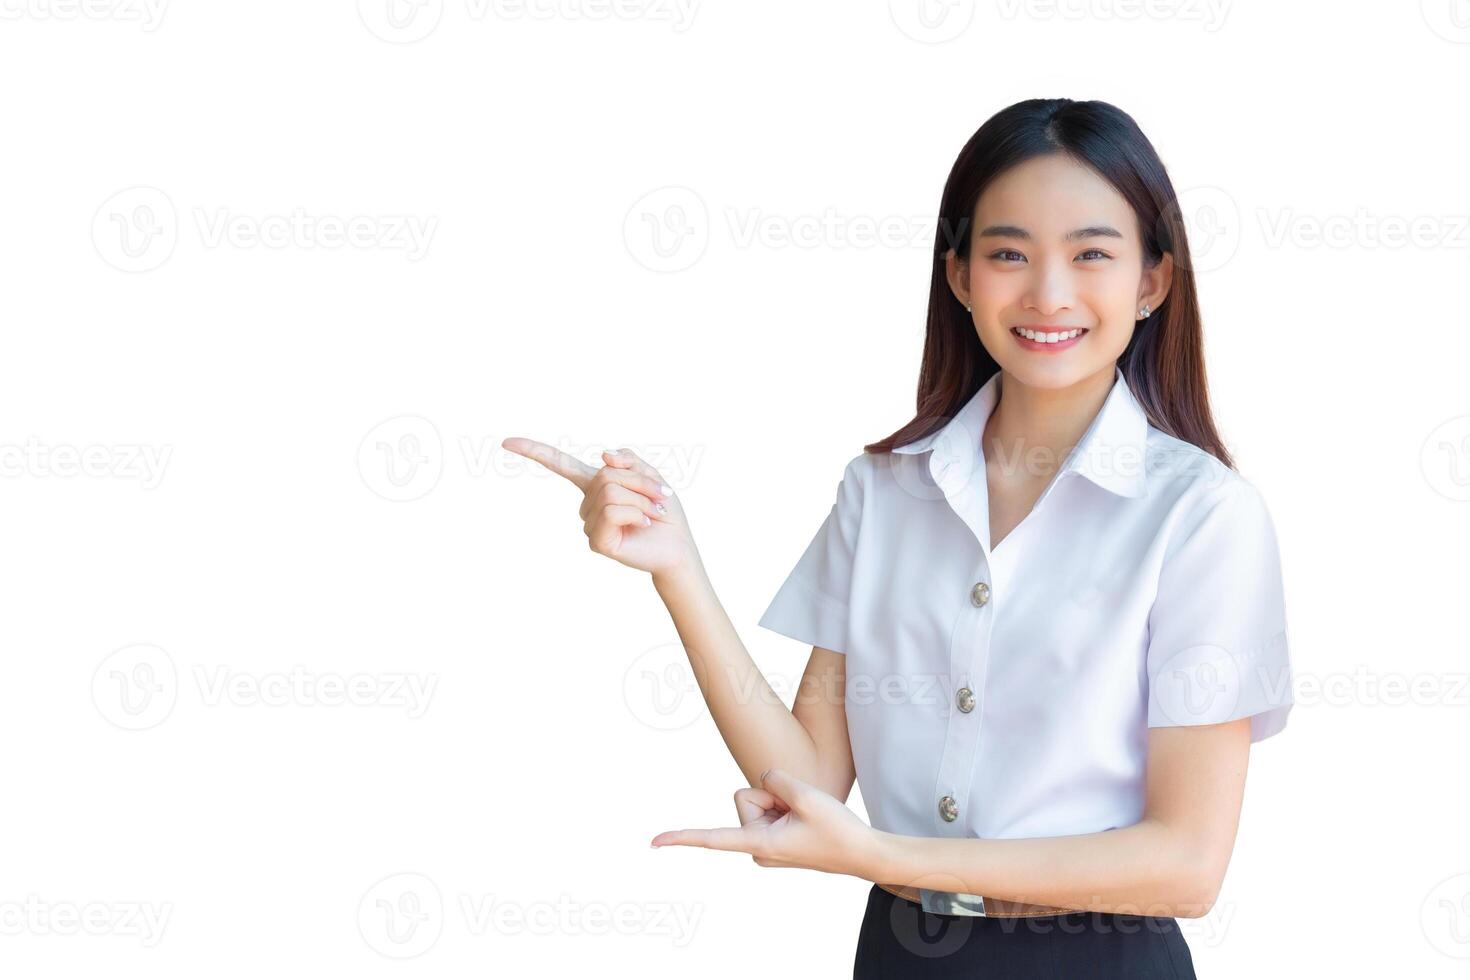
(1046, 615)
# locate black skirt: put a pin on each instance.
(899, 939)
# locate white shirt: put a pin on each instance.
(1144, 589)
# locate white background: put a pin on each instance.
(148, 148)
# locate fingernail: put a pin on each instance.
(647, 520)
(665, 490)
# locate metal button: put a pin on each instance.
(965, 699)
(947, 808)
(980, 594)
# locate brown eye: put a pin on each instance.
(1095, 251)
(1005, 252)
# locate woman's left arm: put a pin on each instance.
(1170, 863)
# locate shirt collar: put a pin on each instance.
(1111, 453)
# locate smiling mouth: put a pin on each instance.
(1049, 335)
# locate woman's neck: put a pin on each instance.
(1032, 429)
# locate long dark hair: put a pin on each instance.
(1164, 361)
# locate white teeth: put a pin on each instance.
(1049, 336)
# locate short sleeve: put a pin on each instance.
(1217, 647)
(812, 604)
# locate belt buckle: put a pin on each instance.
(951, 903)
(963, 903)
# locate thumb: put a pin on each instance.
(786, 786)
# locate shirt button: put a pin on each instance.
(980, 594)
(947, 808)
(965, 699)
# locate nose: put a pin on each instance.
(1050, 287)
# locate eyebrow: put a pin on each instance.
(1013, 231)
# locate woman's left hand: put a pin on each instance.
(789, 824)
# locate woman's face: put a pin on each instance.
(1055, 246)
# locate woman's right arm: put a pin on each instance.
(809, 739)
(630, 516)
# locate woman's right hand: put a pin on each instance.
(628, 511)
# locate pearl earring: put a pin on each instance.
(967, 307)
(1144, 312)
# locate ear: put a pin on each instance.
(1154, 285)
(957, 271)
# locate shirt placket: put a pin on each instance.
(969, 660)
(977, 601)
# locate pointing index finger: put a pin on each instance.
(558, 462)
